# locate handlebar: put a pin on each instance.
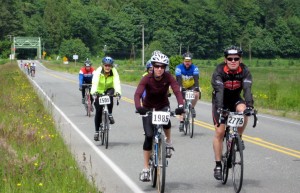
(110, 95)
(227, 112)
(149, 113)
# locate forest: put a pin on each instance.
(263, 28)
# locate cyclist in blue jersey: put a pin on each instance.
(85, 77)
(187, 76)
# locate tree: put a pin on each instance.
(74, 46)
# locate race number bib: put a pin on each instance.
(189, 95)
(235, 120)
(104, 100)
(160, 117)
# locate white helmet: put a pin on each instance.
(156, 52)
(160, 58)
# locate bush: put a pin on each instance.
(74, 46)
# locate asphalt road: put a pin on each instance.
(272, 154)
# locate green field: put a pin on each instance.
(34, 157)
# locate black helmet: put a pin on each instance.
(87, 63)
(187, 56)
(233, 50)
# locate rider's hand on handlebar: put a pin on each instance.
(118, 95)
(179, 110)
(142, 110)
(248, 111)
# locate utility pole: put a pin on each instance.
(143, 46)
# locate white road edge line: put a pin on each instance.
(109, 162)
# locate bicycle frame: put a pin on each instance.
(188, 118)
(104, 100)
(87, 96)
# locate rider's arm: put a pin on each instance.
(178, 75)
(117, 83)
(95, 80)
(80, 78)
(196, 74)
(139, 92)
(218, 87)
(176, 90)
(247, 84)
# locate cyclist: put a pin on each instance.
(149, 68)
(32, 69)
(105, 81)
(156, 85)
(229, 79)
(28, 68)
(85, 77)
(187, 76)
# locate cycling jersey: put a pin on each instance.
(157, 91)
(187, 78)
(85, 77)
(102, 82)
(228, 85)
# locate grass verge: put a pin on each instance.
(34, 157)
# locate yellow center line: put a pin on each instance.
(254, 140)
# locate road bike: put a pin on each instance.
(87, 99)
(104, 100)
(232, 154)
(188, 116)
(158, 160)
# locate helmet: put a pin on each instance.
(187, 56)
(160, 58)
(233, 50)
(155, 52)
(148, 64)
(87, 63)
(108, 60)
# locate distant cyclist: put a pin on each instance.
(32, 69)
(187, 76)
(106, 80)
(229, 79)
(156, 85)
(85, 77)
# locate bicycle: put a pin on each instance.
(87, 99)
(158, 160)
(232, 154)
(188, 117)
(104, 100)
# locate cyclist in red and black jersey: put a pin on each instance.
(229, 79)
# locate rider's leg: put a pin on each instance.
(218, 141)
(240, 108)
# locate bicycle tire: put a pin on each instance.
(191, 129)
(162, 162)
(105, 122)
(187, 120)
(237, 164)
(152, 162)
(225, 158)
(106, 131)
(88, 102)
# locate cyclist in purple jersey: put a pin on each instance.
(156, 85)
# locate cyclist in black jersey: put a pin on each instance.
(229, 79)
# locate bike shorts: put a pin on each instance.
(231, 105)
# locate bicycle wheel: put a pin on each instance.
(88, 102)
(105, 122)
(152, 164)
(225, 158)
(162, 162)
(191, 129)
(187, 117)
(106, 130)
(237, 164)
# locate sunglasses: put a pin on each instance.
(231, 59)
(107, 65)
(157, 66)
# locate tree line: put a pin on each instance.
(263, 28)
